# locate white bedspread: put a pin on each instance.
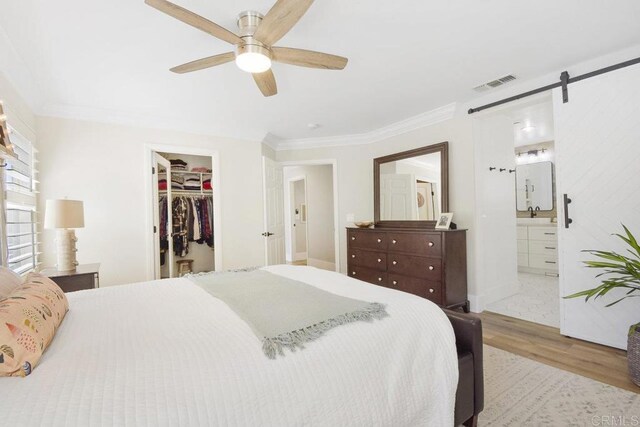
(167, 353)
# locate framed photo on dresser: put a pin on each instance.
(444, 221)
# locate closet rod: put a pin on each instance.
(565, 80)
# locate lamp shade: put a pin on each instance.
(64, 214)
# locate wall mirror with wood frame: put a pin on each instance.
(411, 188)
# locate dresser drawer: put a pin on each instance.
(368, 275)
(369, 259)
(424, 288)
(415, 266)
(540, 247)
(367, 240)
(428, 244)
(543, 262)
(543, 233)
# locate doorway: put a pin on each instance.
(184, 211)
(520, 194)
(295, 220)
(303, 197)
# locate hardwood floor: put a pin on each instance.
(301, 262)
(545, 344)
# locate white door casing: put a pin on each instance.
(398, 197)
(273, 212)
(158, 161)
(597, 156)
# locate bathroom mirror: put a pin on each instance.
(411, 188)
(534, 186)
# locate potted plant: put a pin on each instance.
(620, 272)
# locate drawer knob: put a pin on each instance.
(549, 247)
(353, 273)
(394, 241)
(395, 262)
(431, 267)
(430, 244)
(353, 237)
(379, 260)
(431, 290)
(379, 240)
(379, 279)
(395, 283)
(353, 256)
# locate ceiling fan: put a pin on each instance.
(254, 48)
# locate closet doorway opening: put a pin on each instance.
(296, 243)
(185, 213)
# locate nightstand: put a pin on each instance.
(85, 276)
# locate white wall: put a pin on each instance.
(320, 218)
(355, 176)
(300, 230)
(105, 166)
(496, 256)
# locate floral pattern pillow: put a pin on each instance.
(29, 318)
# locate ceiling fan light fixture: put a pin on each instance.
(253, 58)
(252, 62)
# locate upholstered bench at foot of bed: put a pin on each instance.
(470, 392)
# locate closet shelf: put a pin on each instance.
(185, 173)
(188, 192)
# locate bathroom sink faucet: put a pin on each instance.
(533, 212)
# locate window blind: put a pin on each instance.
(20, 201)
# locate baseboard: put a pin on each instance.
(299, 256)
(475, 303)
(325, 265)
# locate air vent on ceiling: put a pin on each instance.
(494, 83)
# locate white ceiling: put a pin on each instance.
(405, 57)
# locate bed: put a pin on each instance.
(167, 353)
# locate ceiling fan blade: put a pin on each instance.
(194, 20)
(266, 82)
(308, 58)
(201, 64)
(280, 19)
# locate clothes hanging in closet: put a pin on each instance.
(164, 232)
(192, 218)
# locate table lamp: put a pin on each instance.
(63, 216)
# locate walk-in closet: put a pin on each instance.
(185, 214)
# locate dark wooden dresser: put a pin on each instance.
(425, 262)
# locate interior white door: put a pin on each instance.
(273, 212)
(398, 197)
(160, 163)
(598, 153)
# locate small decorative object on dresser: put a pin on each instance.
(425, 262)
(444, 221)
(85, 276)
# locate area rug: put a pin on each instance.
(522, 392)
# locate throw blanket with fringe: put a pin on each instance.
(284, 313)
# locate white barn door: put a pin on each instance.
(273, 212)
(598, 167)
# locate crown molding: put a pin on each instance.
(100, 115)
(428, 118)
